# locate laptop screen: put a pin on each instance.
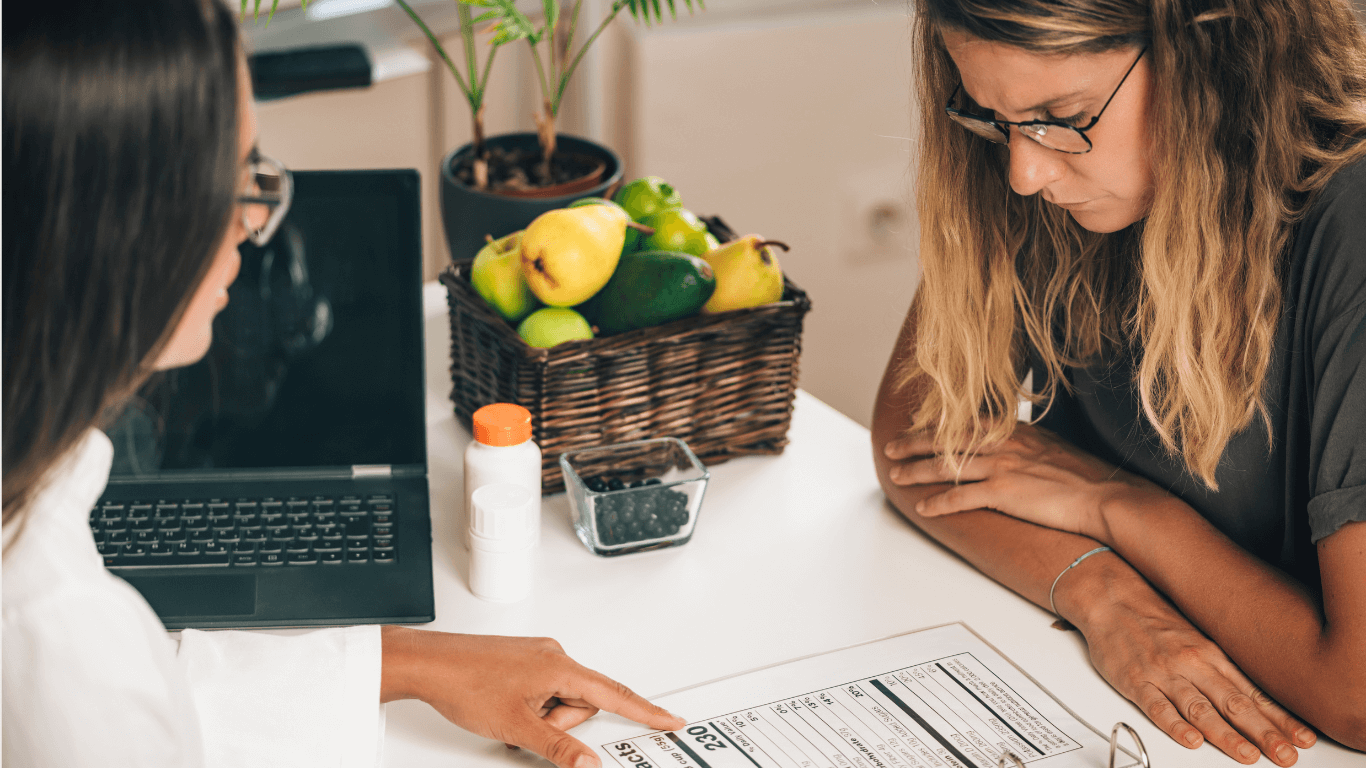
(317, 361)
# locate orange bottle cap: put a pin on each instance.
(502, 424)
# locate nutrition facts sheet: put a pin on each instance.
(952, 702)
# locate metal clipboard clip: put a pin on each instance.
(1114, 746)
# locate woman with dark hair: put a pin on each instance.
(1158, 209)
(129, 157)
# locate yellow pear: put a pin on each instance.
(568, 254)
(747, 274)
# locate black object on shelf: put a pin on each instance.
(276, 74)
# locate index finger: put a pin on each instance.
(906, 447)
(611, 696)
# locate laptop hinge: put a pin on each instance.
(359, 471)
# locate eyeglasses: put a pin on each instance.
(269, 184)
(1053, 134)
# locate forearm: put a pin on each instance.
(1020, 555)
(1268, 623)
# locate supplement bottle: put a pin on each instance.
(502, 452)
(503, 542)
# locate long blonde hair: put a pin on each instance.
(1256, 104)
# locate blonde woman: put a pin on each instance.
(1157, 208)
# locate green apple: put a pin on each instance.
(496, 274)
(646, 196)
(549, 326)
(677, 230)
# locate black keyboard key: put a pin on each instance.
(303, 558)
(272, 558)
(228, 538)
(244, 558)
(383, 554)
(357, 528)
(160, 549)
(382, 530)
(195, 523)
(139, 511)
(327, 546)
(111, 511)
(167, 511)
(170, 525)
(108, 549)
(358, 555)
(192, 508)
(247, 519)
(216, 554)
(295, 546)
(189, 549)
(145, 536)
(254, 534)
(201, 537)
(142, 524)
(174, 537)
(118, 537)
(134, 550)
(330, 558)
(116, 525)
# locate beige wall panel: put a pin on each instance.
(796, 125)
(387, 125)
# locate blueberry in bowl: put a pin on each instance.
(633, 497)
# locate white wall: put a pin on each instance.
(795, 125)
(787, 120)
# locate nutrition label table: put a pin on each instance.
(955, 710)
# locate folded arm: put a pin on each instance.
(1137, 639)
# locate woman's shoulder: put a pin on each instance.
(1328, 257)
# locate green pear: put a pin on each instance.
(568, 254)
(549, 326)
(496, 274)
(747, 274)
(677, 229)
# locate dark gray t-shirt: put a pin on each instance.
(1276, 504)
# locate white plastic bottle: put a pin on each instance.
(502, 452)
(503, 542)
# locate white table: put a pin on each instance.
(793, 555)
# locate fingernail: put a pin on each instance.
(1306, 736)
(1193, 739)
(586, 761)
(1246, 751)
(1285, 753)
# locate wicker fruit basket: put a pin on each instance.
(722, 383)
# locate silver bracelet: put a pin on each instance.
(1074, 564)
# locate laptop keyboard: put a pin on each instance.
(342, 531)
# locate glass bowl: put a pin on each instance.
(634, 497)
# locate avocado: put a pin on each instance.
(649, 288)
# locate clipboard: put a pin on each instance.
(938, 696)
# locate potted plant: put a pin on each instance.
(497, 185)
(494, 186)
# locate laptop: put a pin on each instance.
(282, 480)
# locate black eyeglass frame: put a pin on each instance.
(1001, 125)
(278, 201)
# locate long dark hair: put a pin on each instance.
(120, 147)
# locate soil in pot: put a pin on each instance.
(516, 171)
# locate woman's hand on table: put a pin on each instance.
(523, 691)
(1034, 475)
(1182, 681)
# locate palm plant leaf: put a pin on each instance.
(512, 24)
(650, 11)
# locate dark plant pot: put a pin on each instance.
(468, 214)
